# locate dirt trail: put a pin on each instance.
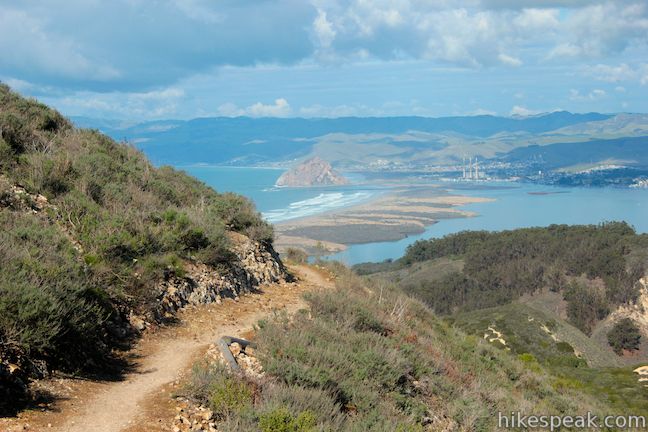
(141, 402)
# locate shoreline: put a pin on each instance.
(389, 216)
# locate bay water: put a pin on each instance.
(515, 205)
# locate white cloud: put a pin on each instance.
(199, 11)
(508, 60)
(603, 72)
(643, 74)
(537, 19)
(521, 111)
(597, 94)
(18, 84)
(593, 95)
(564, 49)
(602, 29)
(147, 105)
(280, 108)
(454, 32)
(323, 29)
(482, 111)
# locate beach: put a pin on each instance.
(387, 217)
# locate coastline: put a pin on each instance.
(391, 216)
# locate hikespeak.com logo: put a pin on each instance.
(589, 421)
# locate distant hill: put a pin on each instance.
(249, 141)
(632, 151)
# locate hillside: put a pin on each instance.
(96, 244)
(602, 267)
(551, 296)
(627, 151)
(365, 357)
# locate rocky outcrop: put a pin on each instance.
(313, 172)
(256, 264)
(16, 197)
(637, 312)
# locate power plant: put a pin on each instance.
(471, 170)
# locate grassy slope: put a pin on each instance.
(521, 328)
(531, 258)
(378, 360)
(134, 225)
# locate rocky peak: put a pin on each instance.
(312, 172)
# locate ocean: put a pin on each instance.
(515, 206)
(280, 204)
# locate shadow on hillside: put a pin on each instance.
(20, 399)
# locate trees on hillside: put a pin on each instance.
(625, 335)
(596, 267)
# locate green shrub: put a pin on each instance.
(215, 386)
(281, 420)
(361, 360)
(49, 306)
(527, 358)
(625, 335)
(228, 395)
(296, 255)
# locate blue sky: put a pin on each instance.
(153, 59)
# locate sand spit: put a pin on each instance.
(389, 217)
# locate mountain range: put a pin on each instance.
(361, 143)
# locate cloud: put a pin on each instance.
(616, 74)
(603, 72)
(140, 45)
(643, 74)
(537, 19)
(135, 45)
(508, 60)
(521, 111)
(199, 10)
(593, 95)
(28, 47)
(482, 111)
(280, 108)
(155, 104)
(323, 29)
(602, 29)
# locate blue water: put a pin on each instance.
(280, 204)
(513, 207)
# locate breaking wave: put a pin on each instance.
(319, 204)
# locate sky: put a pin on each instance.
(143, 60)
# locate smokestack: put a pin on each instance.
(464, 168)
